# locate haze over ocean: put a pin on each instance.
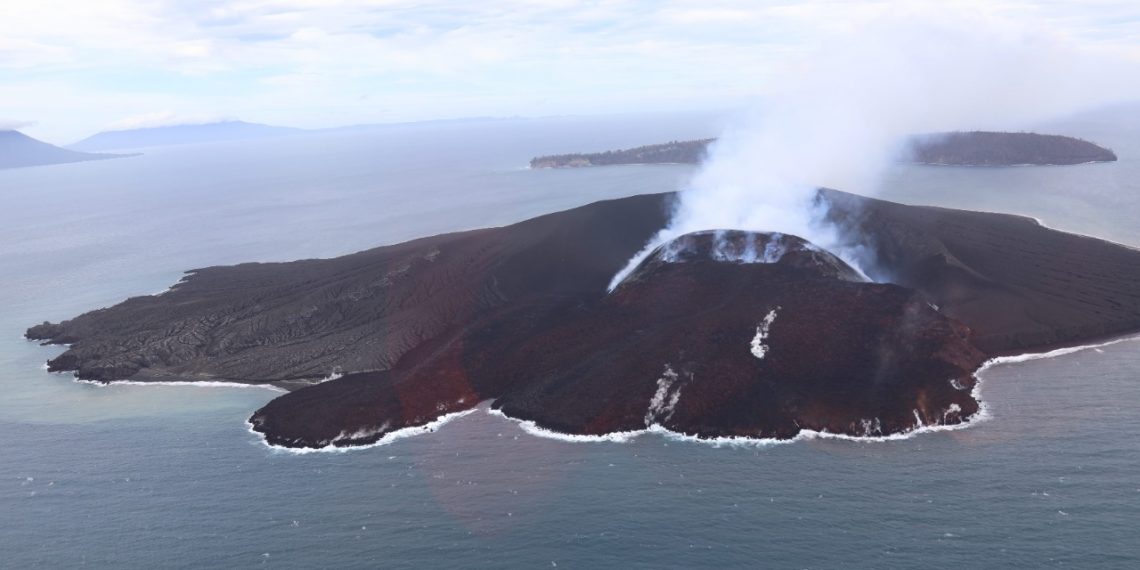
(138, 477)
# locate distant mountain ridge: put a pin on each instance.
(18, 150)
(181, 134)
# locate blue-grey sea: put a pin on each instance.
(169, 477)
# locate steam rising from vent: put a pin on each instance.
(840, 115)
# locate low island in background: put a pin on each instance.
(982, 148)
(673, 152)
(973, 148)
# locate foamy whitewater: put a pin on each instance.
(206, 384)
(185, 383)
(386, 439)
(665, 398)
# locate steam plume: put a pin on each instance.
(843, 111)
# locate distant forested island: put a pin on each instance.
(673, 152)
(982, 148)
(973, 148)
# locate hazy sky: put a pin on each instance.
(70, 68)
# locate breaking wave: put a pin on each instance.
(207, 384)
(1052, 353)
(533, 429)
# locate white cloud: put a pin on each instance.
(162, 119)
(17, 53)
(306, 61)
(14, 125)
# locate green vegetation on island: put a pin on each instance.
(981, 148)
(673, 152)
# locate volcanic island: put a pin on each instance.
(716, 334)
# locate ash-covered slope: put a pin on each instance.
(696, 339)
(1019, 285)
(718, 345)
(702, 339)
(302, 320)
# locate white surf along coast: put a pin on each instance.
(666, 397)
(390, 437)
(660, 406)
(191, 383)
(336, 373)
(184, 383)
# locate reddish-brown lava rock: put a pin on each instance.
(700, 345)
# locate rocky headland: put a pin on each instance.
(715, 334)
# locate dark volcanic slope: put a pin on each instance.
(19, 150)
(1019, 285)
(519, 315)
(689, 342)
(264, 322)
(981, 148)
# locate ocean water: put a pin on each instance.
(168, 476)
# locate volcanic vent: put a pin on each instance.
(741, 247)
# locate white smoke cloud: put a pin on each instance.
(14, 125)
(163, 119)
(843, 111)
